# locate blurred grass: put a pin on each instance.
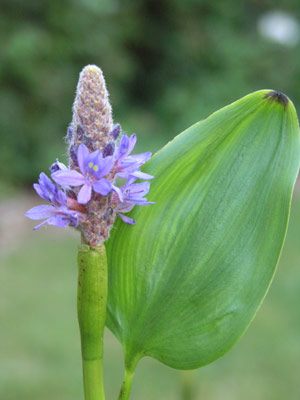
(39, 346)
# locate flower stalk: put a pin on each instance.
(91, 310)
(98, 185)
(126, 386)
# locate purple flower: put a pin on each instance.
(115, 132)
(57, 166)
(109, 149)
(93, 167)
(127, 165)
(57, 213)
(132, 195)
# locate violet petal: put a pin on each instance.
(40, 192)
(41, 224)
(141, 175)
(46, 183)
(140, 158)
(102, 186)
(57, 166)
(40, 212)
(127, 220)
(68, 177)
(82, 155)
(84, 195)
(107, 165)
(131, 144)
(139, 189)
(125, 207)
(116, 130)
(108, 149)
(123, 146)
(118, 191)
(59, 220)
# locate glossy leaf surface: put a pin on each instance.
(187, 279)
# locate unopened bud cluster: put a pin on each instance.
(92, 121)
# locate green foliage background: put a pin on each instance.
(167, 64)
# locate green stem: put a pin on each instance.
(91, 310)
(126, 386)
(188, 389)
(92, 380)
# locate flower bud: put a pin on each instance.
(92, 116)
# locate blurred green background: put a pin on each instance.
(168, 64)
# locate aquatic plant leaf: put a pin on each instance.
(188, 278)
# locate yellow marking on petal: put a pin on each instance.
(95, 168)
(91, 164)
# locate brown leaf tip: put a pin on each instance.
(280, 98)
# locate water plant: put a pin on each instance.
(182, 279)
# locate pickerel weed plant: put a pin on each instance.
(184, 283)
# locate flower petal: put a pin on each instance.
(82, 155)
(123, 146)
(138, 189)
(84, 195)
(94, 164)
(40, 212)
(140, 158)
(140, 202)
(118, 191)
(95, 157)
(68, 177)
(115, 132)
(57, 166)
(125, 207)
(141, 175)
(46, 185)
(102, 186)
(131, 144)
(41, 192)
(127, 220)
(107, 165)
(59, 220)
(39, 225)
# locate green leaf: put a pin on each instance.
(188, 278)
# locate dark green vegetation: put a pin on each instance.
(168, 64)
(40, 345)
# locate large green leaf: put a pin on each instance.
(186, 281)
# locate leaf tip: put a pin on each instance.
(278, 97)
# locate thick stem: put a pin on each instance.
(91, 308)
(126, 386)
(92, 380)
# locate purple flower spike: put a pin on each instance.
(93, 167)
(57, 213)
(128, 165)
(87, 193)
(132, 195)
